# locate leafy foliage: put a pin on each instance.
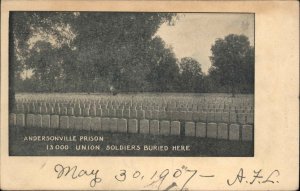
(92, 52)
(233, 63)
(191, 75)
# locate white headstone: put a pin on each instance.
(37, 122)
(72, 121)
(175, 128)
(122, 125)
(96, 123)
(247, 132)
(86, 111)
(200, 129)
(29, 120)
(54, 121)
(222, 131)
(126, 113)
(140, 114)
(190, 129)
(64, 122)
(154, 127)
(119, 113)
(20, 120)
(12, 119)
(144, 126)
(233, 117)
(165, 128)
(86, 123)
(132, 126)
(79, 123)
(113, 124)
(105, 124)
(212, 130)
(234, 132)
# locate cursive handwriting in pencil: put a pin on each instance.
(74, 173)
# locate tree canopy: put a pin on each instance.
(119, 49)
(191, 75)
(94, 51)
(233, 63)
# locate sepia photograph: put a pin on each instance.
(131, 83)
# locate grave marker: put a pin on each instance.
(165, 128)
(119, 113)
(105, 124)
(46, 121)
(86, 123)
(113, 124)
(200, 129)
(222, 131)
(126, 113)
(175, 128)
(148, 114)
(144, 126)
(225, 117)
(64, 122)
(203, 116)
(154, 127)
(112, 113)
(105, 112)
(212, 130)
(140, 114)
(247, 132)
(122, 125)
(29, 120)
(233, 117)
(133, 113)
(234, 132)
(96, 123)
(250, 119)
(190, 129)
(242, 118)
(79, 123)
(12, 119)
(196, 116)
(77, 111)
(93, 111)
(210, 117)
(155, 114)
(132, 126)
(86, 111)
(54, 121)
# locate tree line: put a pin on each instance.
(94, 51)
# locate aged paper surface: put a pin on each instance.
(275, 163)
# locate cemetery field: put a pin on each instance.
(131, 124)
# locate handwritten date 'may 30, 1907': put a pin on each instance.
(179, 177)
(155, 180)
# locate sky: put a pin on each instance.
(194, 33)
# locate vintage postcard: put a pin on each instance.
(131, 83)
(149, 95)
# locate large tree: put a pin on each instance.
(162, 65)
(233, 63)
(46, 65)
(191, 75)
(116, 47)
(24, 26)
(88, 49)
